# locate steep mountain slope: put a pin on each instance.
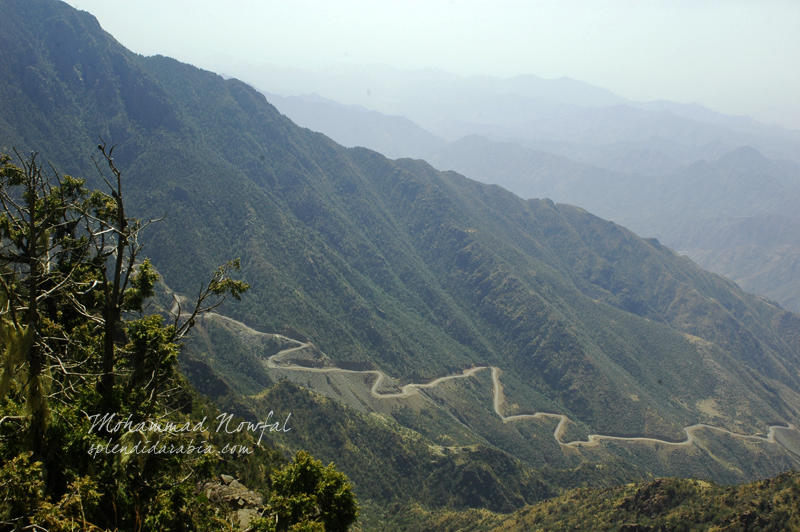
(750, 242)
(396, 266)
(735, 215)
(729, 215)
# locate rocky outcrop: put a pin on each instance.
(227, 492)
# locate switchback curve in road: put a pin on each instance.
(497, 392)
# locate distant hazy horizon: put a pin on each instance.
(735, 57)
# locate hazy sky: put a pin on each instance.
(738, 57)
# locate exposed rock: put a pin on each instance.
(229, 493)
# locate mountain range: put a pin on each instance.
(354, 125)
(585, 123)
(735, 215)
(701, 177)
(393, 268)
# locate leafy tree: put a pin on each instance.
(76, 343)
(307, 496)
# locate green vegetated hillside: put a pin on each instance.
(447, 448)
(673, 505)
(419, 273)
(678, 184)
(735, 214)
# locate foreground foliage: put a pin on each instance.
(98, 428)
(308, 496)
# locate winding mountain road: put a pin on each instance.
(595, 439)
(405, 391)
(497, 389)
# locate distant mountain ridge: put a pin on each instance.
(373, 86)
(354, 125)
(566, 117)
(586, 120)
